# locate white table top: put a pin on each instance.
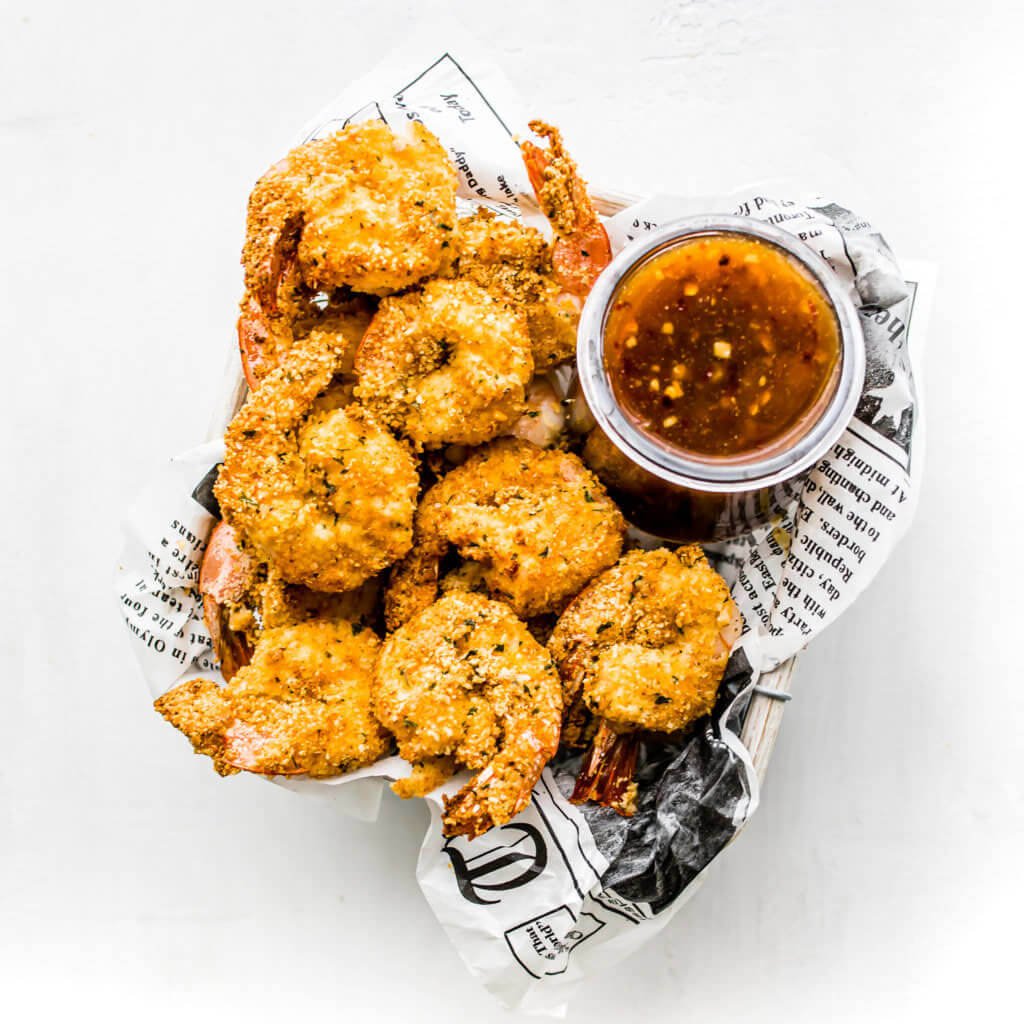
(878, 881)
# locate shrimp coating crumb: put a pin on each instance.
(365, 208)
(582, 249)
(514, 262)
(538, 523)
(448, 364)
(465, 684)
(325, 496)
(301, 706)
(646, 644)
(264, 340)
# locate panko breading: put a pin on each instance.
(301, 706)
(538, 522)
(465, 684)
(514, 262)
(365, 208)
(325, 497)
(646, 644)
(447, 364)
(264, 340)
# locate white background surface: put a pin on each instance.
(878, 881)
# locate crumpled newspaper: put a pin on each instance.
(535, 906)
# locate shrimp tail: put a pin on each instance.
(272, 278)
(494, 797)
(224, 577)
(233, 649)
(501, 790)
(582, 248)
(253, 335)
(606, 774)
(243, 746)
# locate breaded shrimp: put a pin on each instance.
(465, 684)
(301, 706)
(364, 208)
(538, 522)
(447, 364)
(646, 644)
(324, 497)
(241, 598)
(514, 262)
(643, 647)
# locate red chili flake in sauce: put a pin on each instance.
(721, 345)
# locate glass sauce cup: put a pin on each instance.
(681, 495)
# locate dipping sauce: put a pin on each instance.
(722, 346)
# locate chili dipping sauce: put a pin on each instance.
(723, 345)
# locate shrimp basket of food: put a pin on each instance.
(523, 499)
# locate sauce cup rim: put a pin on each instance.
(731, 474)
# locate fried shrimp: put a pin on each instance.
(539, 524)
(465, 684)
(643, 647)
(448, 364)
(301, 706)
(514, 262)
(365, 208)
(325, 497)
(227, 580)
(242, 598)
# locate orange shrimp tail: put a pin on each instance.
(280, 261)
(578, 261)
(606, 774)
(243, 751)
(252, 340)
(232, 649)
(536, 162)
(498, 793)
(224, 577)
(582, 248)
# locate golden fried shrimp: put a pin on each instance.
(365, 208)
(324, 497)
(582, 249)
(301, 706)
(289, 604)
(514, 262)
(643, 647)
(538, 522)
(242, 598)
(465, 684)
(447, 364)
(647, 642)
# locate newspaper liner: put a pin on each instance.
(562, 891)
